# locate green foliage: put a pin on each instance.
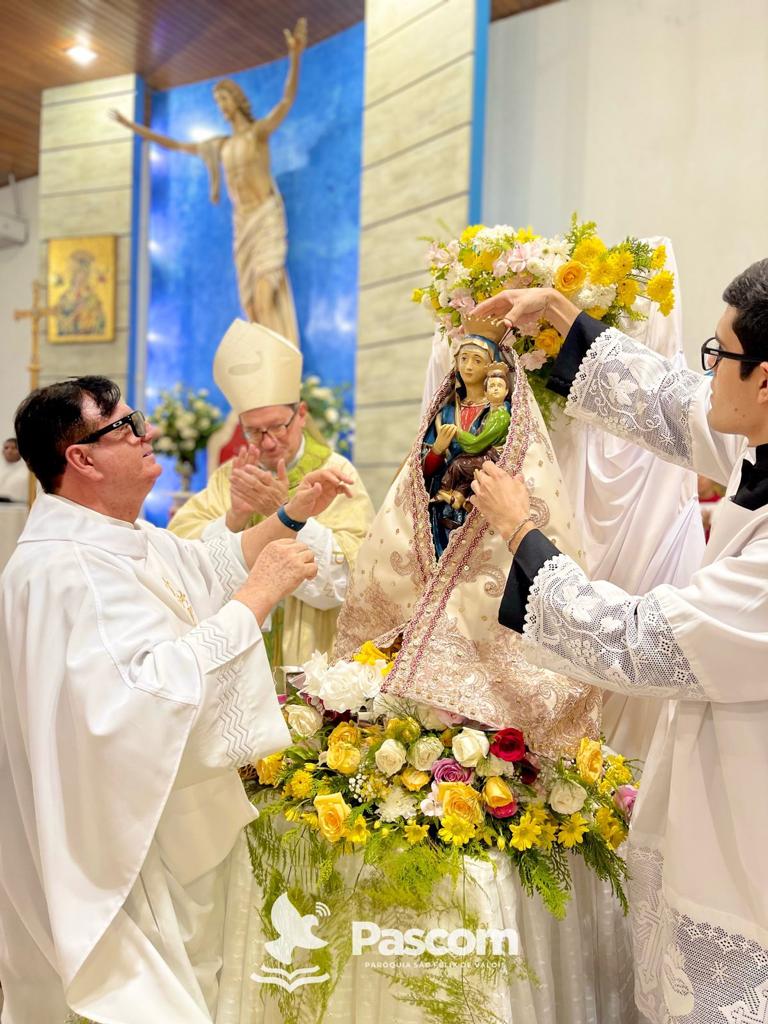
(580, 231)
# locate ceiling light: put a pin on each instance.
(81, 54)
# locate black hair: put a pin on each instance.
(50, 419)
(748, 294)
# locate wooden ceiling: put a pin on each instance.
(168, 42)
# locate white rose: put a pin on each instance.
(303, 719)
(314, 673)
(567, 797)
(493, 765)
(204, 423)
(434, 718)
(469, 746)
(424, 752)
(332, 415)
(348, 686)
(390, 757)
(165, 444)
(187, 446)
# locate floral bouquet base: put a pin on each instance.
(419, 798)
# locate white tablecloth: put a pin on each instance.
(583, 963)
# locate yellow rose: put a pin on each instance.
(413, 779)
(345, 732)
(406, 730)
(659, 257)
(659, 288)
(268, 769)
(596, 312)
(589, 760)
(332, 814)
(549, 340)
(461, 801)
(627, 292)
(497, 793)
(344, 758)
(589, 250)
(570, 276)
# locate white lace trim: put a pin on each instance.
(596, 631)
(690, 971)
(636, 394)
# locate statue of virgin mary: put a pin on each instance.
(431, 573)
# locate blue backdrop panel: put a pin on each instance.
(316, 156)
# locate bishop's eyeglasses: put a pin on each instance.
(712, 352)
(136, 420)
(256, 436)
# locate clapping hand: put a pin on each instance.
(316, 492)
(254, 490)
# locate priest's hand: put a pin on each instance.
(316, 492)
(525, 308)
(254, 490)
(504, 501)
(278, 570)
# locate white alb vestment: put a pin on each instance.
(132, 690)
(639, 514)
(697, 848)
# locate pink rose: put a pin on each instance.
(624, 798)
(503, 812)
(448, 770)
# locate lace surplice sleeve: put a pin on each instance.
(630, 391)
(681, 643)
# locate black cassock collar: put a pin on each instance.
(752, 492)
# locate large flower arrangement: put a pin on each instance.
(185, 422)
(607, 282)
(328, 412)
(364, 767)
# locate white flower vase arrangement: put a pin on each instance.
(185, 422)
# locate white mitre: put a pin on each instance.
(255, 367)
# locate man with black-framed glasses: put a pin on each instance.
(699, 832)
(133, 685)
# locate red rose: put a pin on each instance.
(529, 769)
(509, 745)
(503, 812)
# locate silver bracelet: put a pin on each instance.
(528, 519)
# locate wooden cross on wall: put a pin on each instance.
(35, 314)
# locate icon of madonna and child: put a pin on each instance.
(431, 574)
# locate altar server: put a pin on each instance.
(698, 898)
(259, 372)
(133, 684)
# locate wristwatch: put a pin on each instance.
(285, 519)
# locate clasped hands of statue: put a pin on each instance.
(256, 491)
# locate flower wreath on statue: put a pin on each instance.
(609, 283)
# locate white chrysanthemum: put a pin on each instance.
(397, 804)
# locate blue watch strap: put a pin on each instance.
(285, 519)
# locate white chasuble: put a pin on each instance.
(132, 690)
(698, 899)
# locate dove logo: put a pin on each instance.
(293, 930)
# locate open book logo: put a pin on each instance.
(294, 930)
